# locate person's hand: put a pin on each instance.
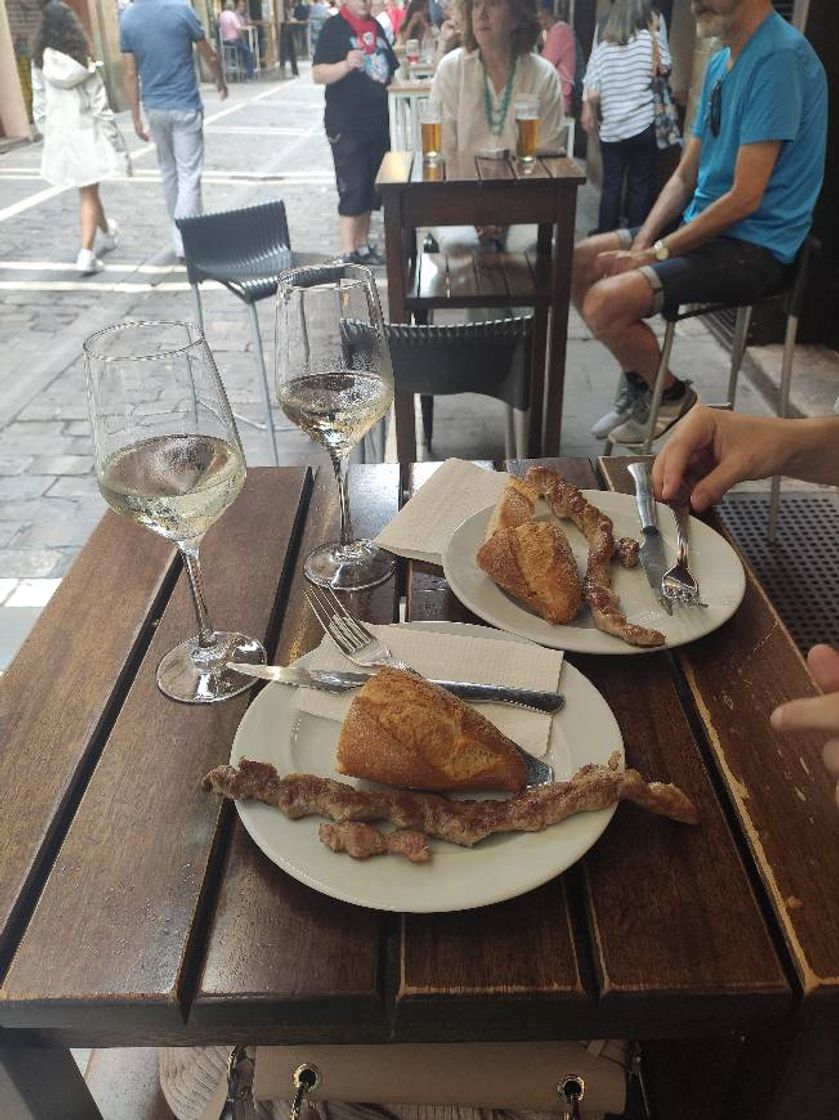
(588, 118)
(710, 450)
(140, 128)
(489, 233)
(617, 261)
(222, 90)
(817, 713)
(354, 61)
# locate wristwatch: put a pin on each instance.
(660, 250)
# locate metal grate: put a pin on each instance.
(800, 571)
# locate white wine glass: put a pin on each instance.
(168, 456)
(335, 381)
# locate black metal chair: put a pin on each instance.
(792, 292)
(245, 250)
(492, 357)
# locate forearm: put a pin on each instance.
(669, 205)
(810, 450)
(132, 92)
(716, 219)
(327, 73)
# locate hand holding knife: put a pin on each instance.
(651, 555)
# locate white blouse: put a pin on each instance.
(459, 86)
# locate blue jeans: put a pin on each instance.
(246, 54)
(634, 158)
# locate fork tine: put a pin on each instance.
(354, 624)
(326, 621)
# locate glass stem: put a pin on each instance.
(340, 465)
(206, 634)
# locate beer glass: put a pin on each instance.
(527, 125)
(431, 126)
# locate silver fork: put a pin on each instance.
(678, 584)
(363, 648)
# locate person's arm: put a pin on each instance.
(39, 100)
(327, 73)
(444, 90)
(817, 713)
(210, 56)
(675, 195)
(711, 449)
(591, 93)
(132, 92)
(551, 110)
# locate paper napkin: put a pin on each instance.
(424, 526)
(455, 657)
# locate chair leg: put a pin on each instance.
(427, 408)
(199, 311)
(738, 349)
(263, 382)
(509, 432)
(658, 388)
(783, 408)
(406, 436)
(521, 432)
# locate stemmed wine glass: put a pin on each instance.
(334, 380)
(168, 456)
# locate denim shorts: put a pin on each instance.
(357, 161)
(723, 270)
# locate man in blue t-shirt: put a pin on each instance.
(730, 220)
(156, 39)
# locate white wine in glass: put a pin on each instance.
(168, 456)
(334, 380)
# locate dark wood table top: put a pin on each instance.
(402, 169)
(134, 908)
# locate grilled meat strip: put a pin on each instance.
(364, 840)
(460, 822)
(565, 500)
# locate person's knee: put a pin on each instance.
(604, 311)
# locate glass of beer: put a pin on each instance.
(527, 125)
(431, 124)
(412, 50)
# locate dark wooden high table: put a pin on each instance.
(465, 190)
(135, 910)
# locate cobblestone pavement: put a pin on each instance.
(265, 142)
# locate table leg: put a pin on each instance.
(396, 260)
(42, 1084)
(558, 327)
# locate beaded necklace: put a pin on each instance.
(497, 117)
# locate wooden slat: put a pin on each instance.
(69, 675)
(521, 283)
(525, 171)
(108, 947)
(463, 283)
(499, 970)
(561, 167)
(432, 276)
(283, 962)
(490, 274)
(395, 169)
(777, 785)
(461, 167)
(489, 169)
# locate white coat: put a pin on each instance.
(82, 143)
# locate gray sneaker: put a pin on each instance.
(669, 413)
(621, 410)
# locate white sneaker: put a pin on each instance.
(107, 242)
(87, 262)
(625, 398)
(669, 413)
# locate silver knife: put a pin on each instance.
(652, 549)
(330, 680)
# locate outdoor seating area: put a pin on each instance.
(424, 467)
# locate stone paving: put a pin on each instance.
(265, 142)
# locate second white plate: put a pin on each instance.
(713, 562)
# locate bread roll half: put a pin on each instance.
(535, 564)
(514, 506)
(404, 731)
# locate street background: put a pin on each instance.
(265, 142)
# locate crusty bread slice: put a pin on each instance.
(404, 731)
(514, 506)
(535, 564)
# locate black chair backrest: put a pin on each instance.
(247, 242)
(492, 357)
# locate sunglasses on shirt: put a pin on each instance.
(715, 115)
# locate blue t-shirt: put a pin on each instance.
(160, 34)
(776, 90)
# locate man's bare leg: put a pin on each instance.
(585, 270)
(354, 231)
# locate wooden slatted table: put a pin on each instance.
(135, 910)
(465, 190)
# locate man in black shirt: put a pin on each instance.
(355, 63)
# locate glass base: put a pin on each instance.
(349, 567)
(197, 675)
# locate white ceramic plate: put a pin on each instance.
(500, 867)
(713, 562)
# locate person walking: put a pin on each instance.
(156, 39)
(82, 143)
(618, 90)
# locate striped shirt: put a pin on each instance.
(621, 78)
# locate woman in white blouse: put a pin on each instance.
(618, 90)
(479, 82)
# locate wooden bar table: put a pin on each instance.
(467, 190)
(135, 909)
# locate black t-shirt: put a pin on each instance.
(357, 105)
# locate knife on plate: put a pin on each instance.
(332, 680)
(651, 555)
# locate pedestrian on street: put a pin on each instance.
(232, 32)
(356, 64)
(82, 143)
(156, 39)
